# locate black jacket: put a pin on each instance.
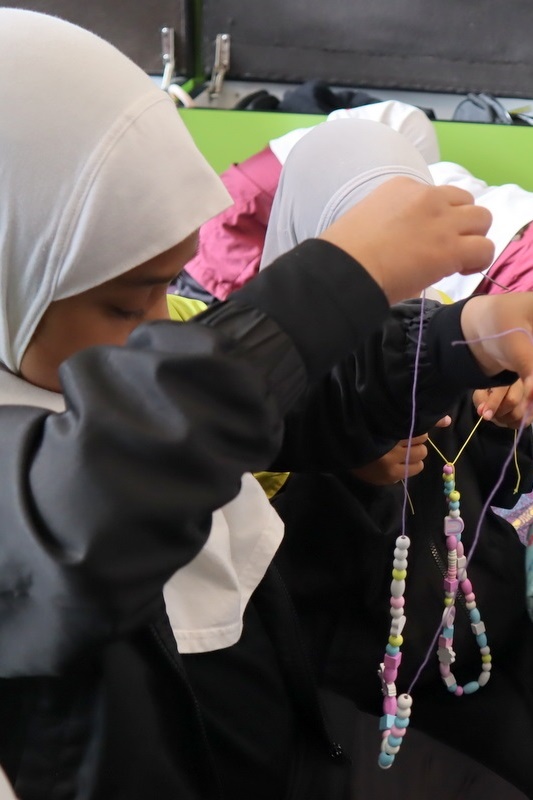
(101, 504)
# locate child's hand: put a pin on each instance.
(483, 319)
(390, 468)
(505, 406)
(408, 235)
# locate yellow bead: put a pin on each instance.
(448, 478)
(486, 659)
(396, 641)
(454, 496)
(448, 601)
(399, 574)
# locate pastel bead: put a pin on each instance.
(397, 732)
(485, 651)
(390, 675)
(451, 542)
(486, 667)
(453, 526)
(466, 587)
(451, 586)
(484, 678)
(474, 615)
(392, 651)
(455, 496)
(448, 601)
(394, 741)
(400, 564)
(385, 760)
(471, 687)
(392, 662)
(459, 691)
(390, 704)
(470, 598)
(452, 688)
(396, 641)
(405, 701)
(401, 722)
(397, 602)
(397, 588)
(403, 542)
(477, 628)
(481, 639)
(396, 613)
(448, 632)
(400, 576)
(387, 747)
(451, 683)
(397, 625)
(486, 657)
(386, 722)
(454, 504)
(444, 670)
(454, 513)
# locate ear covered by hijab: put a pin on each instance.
(97, 171)
(328, 171)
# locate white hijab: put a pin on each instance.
(331, 169)
(98, 174)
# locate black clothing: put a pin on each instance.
(102, 504)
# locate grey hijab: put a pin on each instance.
(330, 170)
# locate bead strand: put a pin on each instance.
(392, 723)
(457, 578)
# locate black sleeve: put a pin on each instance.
(364, 405)
(101, 504)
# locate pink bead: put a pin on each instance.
(459, 691)
(448, 469)
(469, 598)
(460, 549)
(451, 542)
(466, 586)
(399, 732)
(444, 642)
(397, 602)
(450, 586)
(385, 734)
(453, 526)
(444, 670)
(390, 675)
(390, 705)
(392, 662)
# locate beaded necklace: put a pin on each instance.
(397, 709)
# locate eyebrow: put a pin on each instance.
(147, 281)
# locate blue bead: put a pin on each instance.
(401, 722)
(470, 688)
(385, 760)
(475, 616)
(454, 505)
(448, 632)
(391, 650)
(394, 741)
(386, 722)
(452, 688)
(481, 639)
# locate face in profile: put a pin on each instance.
(103, 315)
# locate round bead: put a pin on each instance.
(454, 513)
(398, 733)
(399, 553)
(448, 469)
(399, 575)
(403, 542)
(385, 760)
(394, 741)
(392, 651)
(397, 602)
(396, 641)
(399, 564)
(455, 496)
(485, 651)
(396, 613)
(486, 667)
(459, 691)
(401, 722)
(448, 601)
(387, 747)
(471, 687)
(452, 687)
(405, 701)
(470, 598)
(471, 605)
(454, 504)
(451, 542)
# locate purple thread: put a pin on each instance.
(489, 499)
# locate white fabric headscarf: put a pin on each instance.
(98, 174)
(328, 171)
(97, 171)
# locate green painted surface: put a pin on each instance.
(495, 153)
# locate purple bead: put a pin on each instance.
(448, 469)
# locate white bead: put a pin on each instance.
(397, 625)
(454, 513)
(405, 701)
(396, 613)
(484, 650)
(470, 605)
(446, 655)
(477, 628)
(403, 713)
(403, 542)
(400, 553)
(448, 616)
(483, 678)
(449, 680)
(399, 563)
(461, 562)
(486, 667)
(387, 748)
(397, 588)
